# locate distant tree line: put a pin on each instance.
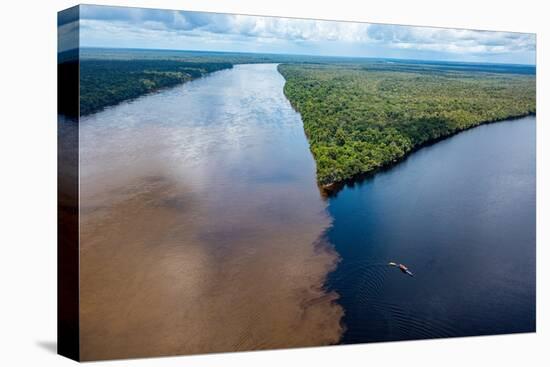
(108, 82)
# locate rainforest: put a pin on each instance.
(361, 117)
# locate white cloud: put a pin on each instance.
(451, 40)
(155, 24)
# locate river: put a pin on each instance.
(202, 229)
(461, 215)
(202, 226)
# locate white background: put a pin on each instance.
(28, 182)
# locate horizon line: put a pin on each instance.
(296, 54)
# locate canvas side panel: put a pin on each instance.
(68, 343)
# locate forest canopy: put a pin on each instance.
(361, 117)
(108, 82)
(359, 114)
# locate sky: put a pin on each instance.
(120, 27)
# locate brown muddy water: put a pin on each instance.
(201, 223)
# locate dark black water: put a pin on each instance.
(461, 215)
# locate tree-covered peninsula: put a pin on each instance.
(361, 117)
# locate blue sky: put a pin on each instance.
(102, 26)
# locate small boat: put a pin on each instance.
(403, 268)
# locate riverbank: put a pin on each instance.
(105, 83)
(333, 188)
